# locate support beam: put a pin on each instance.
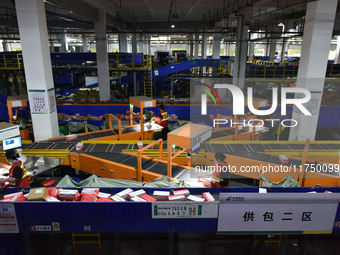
(85, 43)
(197, 44)
(38, 70)
(134, 43)
(204, 45)
(240, 64)
(102, 57)
(63, 42)
(122, 42)
(78, 7)
(317, 35)
(251, 49)
(272, 50)
(216, 46)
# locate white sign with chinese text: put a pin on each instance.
(38, 101)
(277, 212)
(184, 210)
(8, 218)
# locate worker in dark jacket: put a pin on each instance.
(163, 115)
(221, 171)
(18, 176)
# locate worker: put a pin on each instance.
(163, 115)
(18, 176)
(221, 171)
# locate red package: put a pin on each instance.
(53, 192)
(184, 192)
(15, 197)
(148, 198)
(69, 195)
(207, 196)
(88, 197)
(90, 191)
(103, 199)
(176, 197)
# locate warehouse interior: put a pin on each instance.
(144, 126)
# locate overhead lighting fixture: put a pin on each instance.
(172, 26)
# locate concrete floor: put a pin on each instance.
(184, 244)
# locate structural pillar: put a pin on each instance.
(337, 51)
(272, 50)
(122, 42)
(63, 41)
(191, 46)
(134, 43)
(283, 49)
(317, 35)
(102, 57)
(197, 44)
(85, 44)
(216, 46)
(227, 48)
(240, 63)
(251, 49)
(140, 45)
(38, 70)
(204, 45)
(5, 45)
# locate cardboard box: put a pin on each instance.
(148, 198)
(180, 197)
(124, 193)
(195, 198)
(117, 198)
(161, 195)
(208, 197)
(184, 192)
(39, 194)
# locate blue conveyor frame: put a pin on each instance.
(119, 217)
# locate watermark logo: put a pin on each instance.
(239, 99)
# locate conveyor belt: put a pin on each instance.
(255, 152)
(148, 165)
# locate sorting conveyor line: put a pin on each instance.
(257, 152)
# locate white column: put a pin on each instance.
(122, 42)
(197, 44)
(38, 71)
(283, 49)
(63, 41)
(337, 51)
(227, 48)
(85, 43)
(5, 45)
(146, 45)
(102, 57)
(216, 46)
(134, 43)
(272, 50)
(204, 45)
(251, 49)
(239, 68)
(191, 45)
(140, 45)
(318, 29)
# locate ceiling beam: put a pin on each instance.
(197, 3)
(78, 7)
(147, 3)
